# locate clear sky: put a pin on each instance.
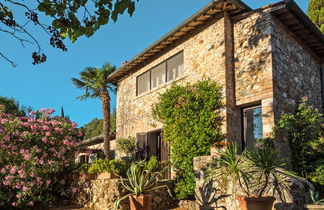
(49, 85)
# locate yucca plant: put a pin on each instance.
(268, 172)
(316, 198)
(230, 168)
(140, 180)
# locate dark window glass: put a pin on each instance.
(252, 126)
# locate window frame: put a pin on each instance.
(166, 74)
(244, 122)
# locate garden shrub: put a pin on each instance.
(192, 121)
(305, 129)
(153, 164)
(126, 145)
(117, 166)
(36, 158)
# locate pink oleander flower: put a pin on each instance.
(32, 174)
(14, 170)
(31, 203)
(74, 125)
(3, 121)
(21, 173)
(62, 181)
(3, 170)
(63, 149)
(41, 161)
(18, 196)
(48, 134)
(74, 189)
(58, 130)
(44, 139)
(48, 182)
(45, 128)
(14, 204)
(6, 183)
(24, 188)
(32, 113)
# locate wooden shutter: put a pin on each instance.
(141, 146)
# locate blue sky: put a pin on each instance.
(49, 85)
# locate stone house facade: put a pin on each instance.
(266, 59)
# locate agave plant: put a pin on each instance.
(230, 168)
(140, 180)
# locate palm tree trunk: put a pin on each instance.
(105, 100)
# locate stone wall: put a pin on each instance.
(253, 65)
(203, 58)
(101, 194)
(296, 74)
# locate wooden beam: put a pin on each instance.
(179, 34)
(204, 17)
(195, 23)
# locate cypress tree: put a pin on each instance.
(316, 13)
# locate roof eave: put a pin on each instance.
(238, 3)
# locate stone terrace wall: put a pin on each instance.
(101, 195)
(203, 58)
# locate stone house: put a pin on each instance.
(267, 59)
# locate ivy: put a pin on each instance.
(192, 121)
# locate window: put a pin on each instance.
(158, 75)
(143, 83)
(175, 67)
(252, 126)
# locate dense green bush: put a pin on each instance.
(119, 167)
(192, 123)
(126, 145)
(153, 164)
(306, 137)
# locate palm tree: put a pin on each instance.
(96, 84)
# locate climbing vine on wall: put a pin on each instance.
(192, 121)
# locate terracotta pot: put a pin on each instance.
(106, 175)
(143, 202)
(263, 203)
(314, 207)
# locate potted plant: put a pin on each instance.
(256, 172)
(318, 204)
(230, 169)
(140, 183)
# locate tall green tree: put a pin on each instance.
(96, 85)
(316, 13)
(94, 127)
(10, 106)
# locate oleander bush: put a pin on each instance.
(191, 117)
(36, 158)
